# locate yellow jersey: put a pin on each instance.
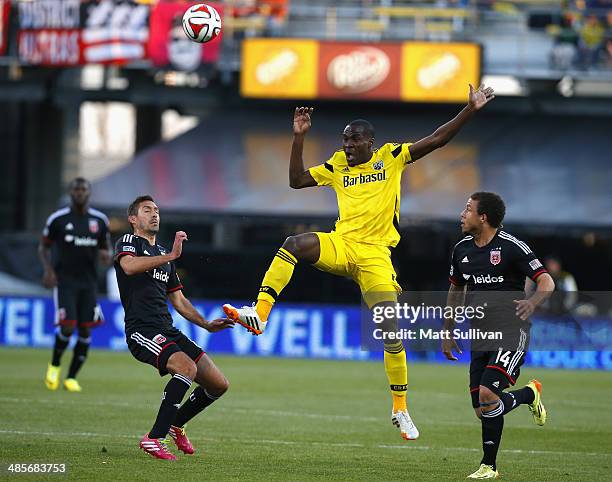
(368, 194)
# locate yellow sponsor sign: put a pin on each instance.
(439, 72)
(279, 68)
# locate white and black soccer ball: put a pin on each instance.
(201, 23)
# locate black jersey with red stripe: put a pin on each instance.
(501, 265)
(144, 295)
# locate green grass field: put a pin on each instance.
(297, 420)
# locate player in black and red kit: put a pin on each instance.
(147, 278)
(489, 268)
(80, 235)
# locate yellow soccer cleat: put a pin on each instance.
(52, 377)
(484, 472)
(537, 407)
(72, 385)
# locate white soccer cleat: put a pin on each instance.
(247, 316)
(402, 420)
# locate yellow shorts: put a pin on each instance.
(367, 264)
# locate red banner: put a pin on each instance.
(5, 7)
(114, 31)
(359, 70)
(56, 47)
(169, 47)
(49, 32)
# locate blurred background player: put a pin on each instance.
(80, 235)
(147, 277)
(493, 265)
(368, 189)
(565, 297)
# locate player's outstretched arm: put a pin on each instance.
(298, 176)
(132, 265)
(188, 311)
(477, 100)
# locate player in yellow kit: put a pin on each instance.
(367, 183)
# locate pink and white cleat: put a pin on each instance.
(156, 447)
(180, 439)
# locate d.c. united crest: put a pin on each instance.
(495, 257)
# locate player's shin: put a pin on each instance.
(171, 400)
(492, 426)
(276, 278)
(61, 342)
(199, 399)
(397, 373)
(516, 398)
(79, 356)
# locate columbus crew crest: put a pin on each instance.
(495, 257)
(378, 165)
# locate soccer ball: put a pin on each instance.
(201, 23)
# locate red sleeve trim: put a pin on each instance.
(538, 273)
(454, 282)
(472, 390)
(176, 288)
(46, 241)
(123, 253)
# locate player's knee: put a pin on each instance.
(180, 363)
(66, 330)
(301, 246)
(222, 386)
(84, 332)
(294, 245)
(488, 399)
(190, 370)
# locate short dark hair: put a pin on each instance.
(492, 205)
(132, 209)
(365, 125)
(79, 180)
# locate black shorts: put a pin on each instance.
(155, 345)
(496, 370)
(77, 305)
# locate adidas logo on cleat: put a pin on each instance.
(252, 322)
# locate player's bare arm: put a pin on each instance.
(132, 265)
(106, 251)
(298, 176)
(544, 288)
(188, 311)
(477, 100)
(456, 297)
(49, 277)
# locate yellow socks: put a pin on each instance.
(277, 277)
(263, 309)
(397, 373)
